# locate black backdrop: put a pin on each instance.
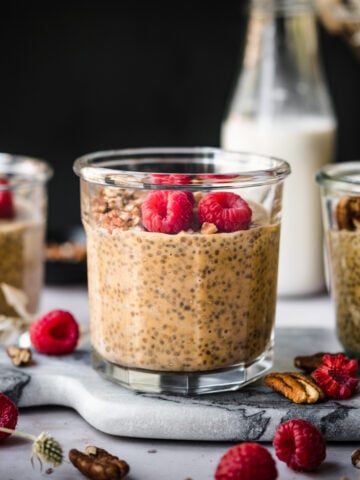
(86, 75)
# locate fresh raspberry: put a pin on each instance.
(167, 211)
(55, 333)
(6, 201)
(8, 414)
(300, 445)
(337, 376)
(246, 461)
(228, 211)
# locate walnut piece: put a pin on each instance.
(20, 357)
(297, 387)
(97, 464)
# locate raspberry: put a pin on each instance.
(6, 201)
(55, 333)
(8, 414)
(167, 211)
(228, 211)
(336, 375)
(247, 461)
(300, 445)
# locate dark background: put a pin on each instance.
(88, 75)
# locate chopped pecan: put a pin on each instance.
(295, 386)
(20, 357)
(97, 464)
(347, 213)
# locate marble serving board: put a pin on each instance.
(252, 413)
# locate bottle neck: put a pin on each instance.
(285, 35)
(281, 66)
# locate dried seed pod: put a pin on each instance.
(347, 213)
(48, 449)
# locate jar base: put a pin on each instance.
(184, 383)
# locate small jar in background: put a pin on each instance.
(23, 206)
(340, 192)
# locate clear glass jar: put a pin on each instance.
(23, 206)
(340, 193)
(281, 107)
(177, 305)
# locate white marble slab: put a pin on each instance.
(252, 413)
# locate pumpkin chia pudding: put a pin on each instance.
(344, 258)
(199, 299)
(21, 263)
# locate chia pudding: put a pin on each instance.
(21, 266)
(186, 302)
(344, 258)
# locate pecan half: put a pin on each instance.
(20, 357)
(309, 362)
(347, 213)
(97, 464)
(295, 386)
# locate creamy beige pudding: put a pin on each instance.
(344, 257)
(21, 250)
(184, 302)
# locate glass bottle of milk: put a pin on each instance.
(281, 107)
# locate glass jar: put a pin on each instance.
(23, 206)
(182, 282)
(340, 192)
(281, 107)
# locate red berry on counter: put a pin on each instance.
(6, 201)
(228, 211)
(337, 376)
(167, 211)
(8, 415)
(246, 461)
(55, 333)
(300, 445)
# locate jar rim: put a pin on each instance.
(225, 167)
(343, 176)
(22, 168)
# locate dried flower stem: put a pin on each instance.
(29, 436)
